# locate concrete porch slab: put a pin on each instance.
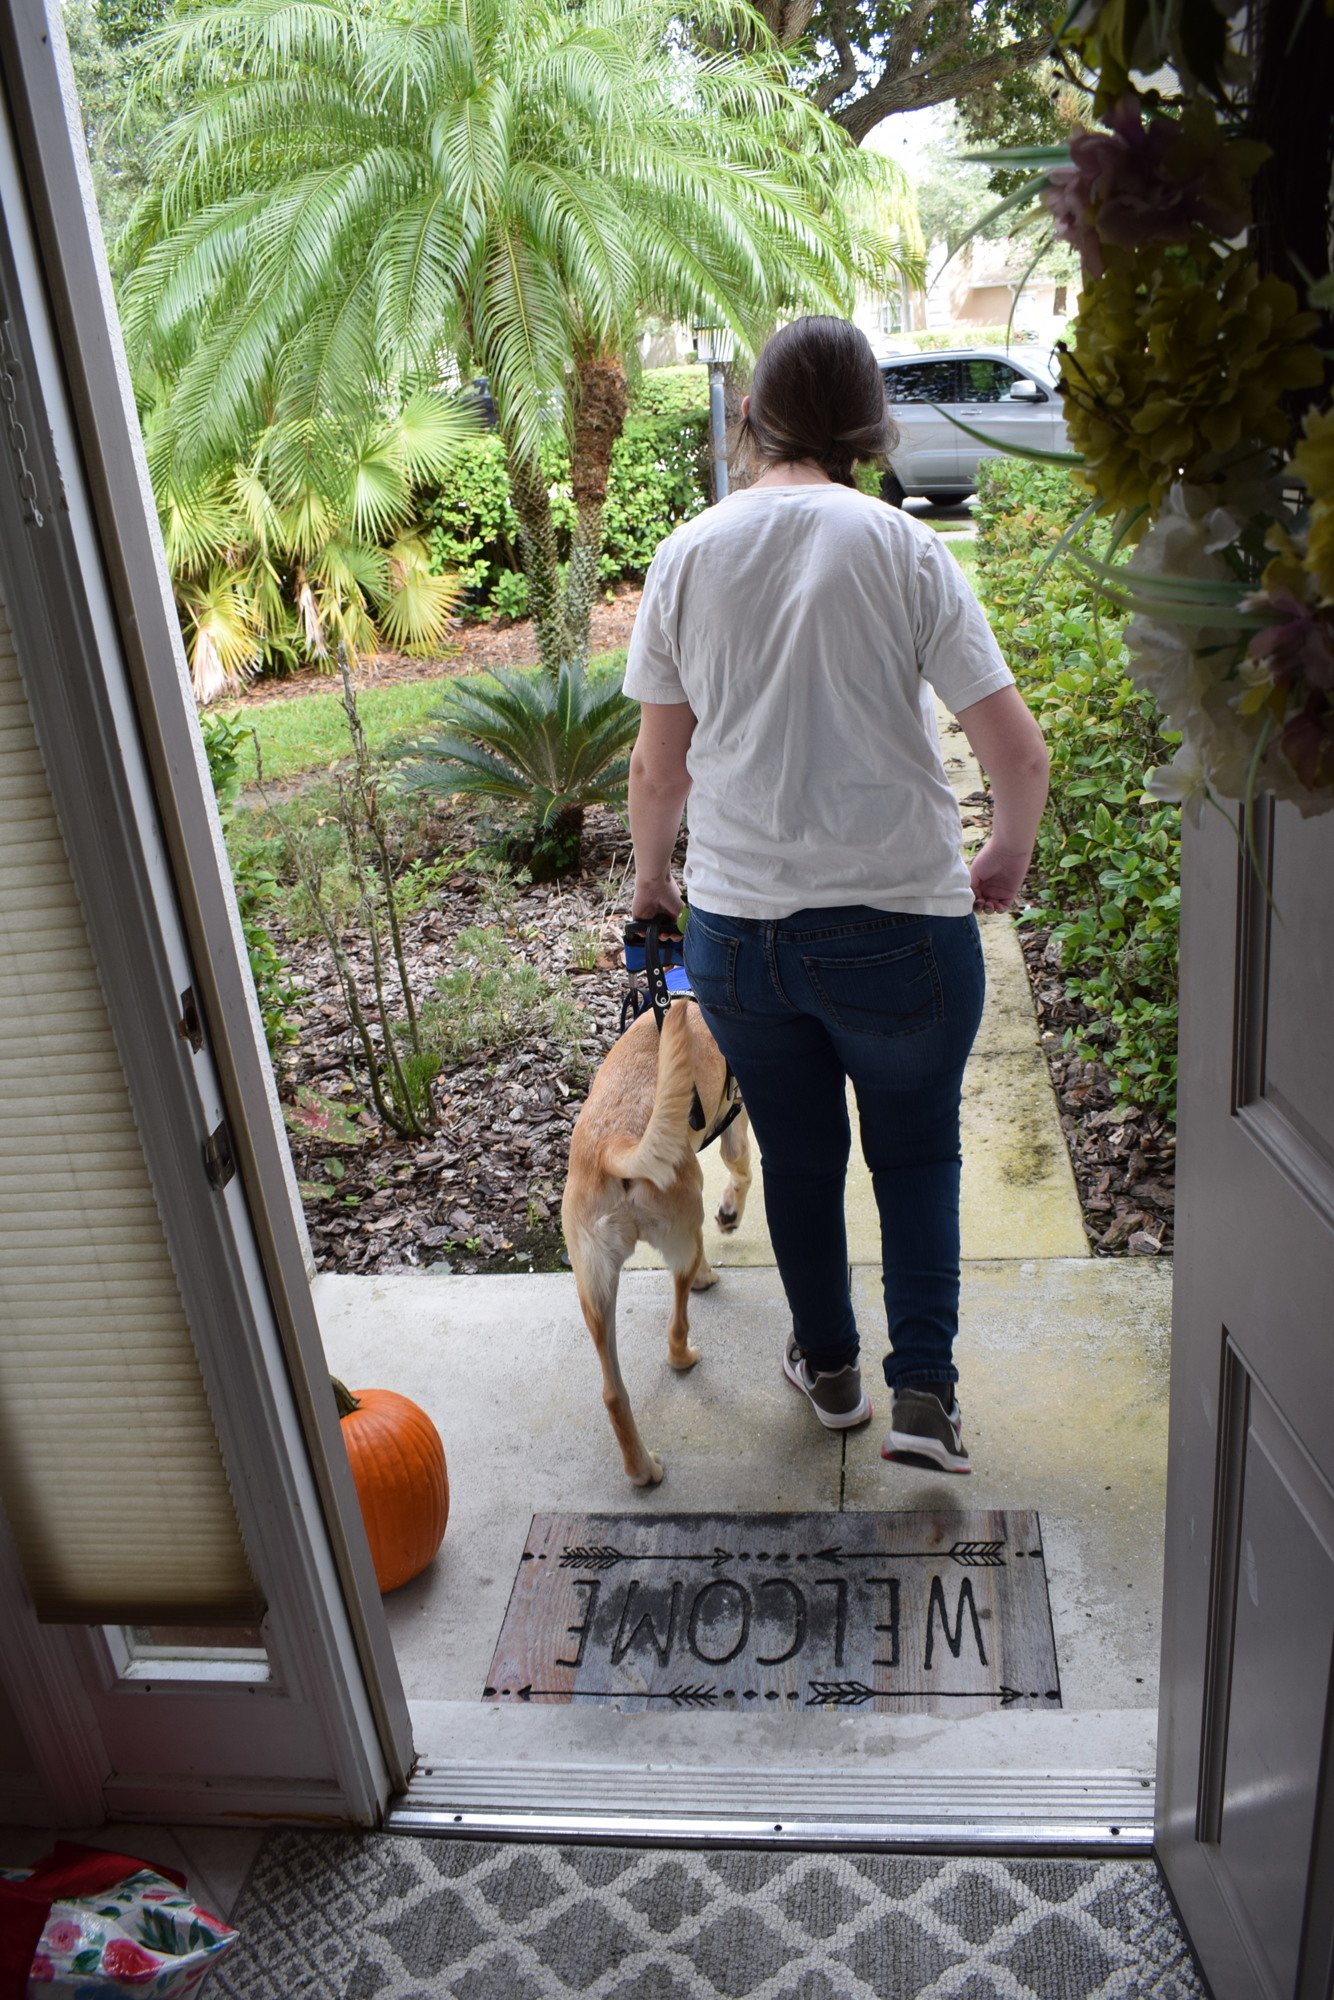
(1063, 1368)
(506, 1369)
(480, 1734)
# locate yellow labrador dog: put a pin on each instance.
(634, 1174)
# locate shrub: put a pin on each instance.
(659, 475)
(226, 739)
(1107, 868)
(554, 744)
(492, 1000)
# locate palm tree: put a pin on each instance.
(301, 544)
(365, 190)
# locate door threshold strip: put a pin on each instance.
(975, 1812)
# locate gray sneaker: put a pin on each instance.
(922, 1428)
(837, 1399)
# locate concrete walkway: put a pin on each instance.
(1063, 1360)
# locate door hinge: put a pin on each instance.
(190, 1028)
(219, 1159)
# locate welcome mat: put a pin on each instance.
(934, 1614)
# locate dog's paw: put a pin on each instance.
(728, 1216)
(650, 1472)
(685, 1358)
(704, 1279)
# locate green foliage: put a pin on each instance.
(1107, 860)
(509, 598)
(125, 21)
(256, 884)
(554, 744)
(492, 999)
(659, 476)
(119, 131)
(421, 881)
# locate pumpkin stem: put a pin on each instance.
(344, 1399)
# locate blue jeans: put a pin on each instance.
(798, 1005)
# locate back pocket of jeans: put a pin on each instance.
(711, 964)
(892, 993)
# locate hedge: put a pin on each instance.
(1107, 867)
(659, 475)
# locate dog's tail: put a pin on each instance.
(666, 1141)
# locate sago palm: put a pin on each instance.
(554, 743)
(366, 190)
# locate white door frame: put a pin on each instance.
(90, 603)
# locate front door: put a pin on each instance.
(154, 1280)
(1246, 1807)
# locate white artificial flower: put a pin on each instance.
(1183, 782)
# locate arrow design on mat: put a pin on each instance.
(852, 1694)
(685, 1695)
(969, 1555)
(606, 1557)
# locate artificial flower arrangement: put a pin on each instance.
(1177, 388)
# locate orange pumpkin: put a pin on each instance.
(398, 1468)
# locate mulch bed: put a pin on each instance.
(1124, 1162)
(482, 1193)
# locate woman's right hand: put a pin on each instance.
(656, 896)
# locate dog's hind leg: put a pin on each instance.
(680, 1354)
(734, 1146)
(597, 1271)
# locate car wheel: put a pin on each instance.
(891, 492)
(949, 499)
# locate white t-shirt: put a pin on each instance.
(806, 626)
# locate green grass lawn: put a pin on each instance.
(310, 732)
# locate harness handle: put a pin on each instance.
(655, 971)
(661, 940)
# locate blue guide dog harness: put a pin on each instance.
(653, 946)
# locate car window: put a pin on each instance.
(922, 382)
(987, 381)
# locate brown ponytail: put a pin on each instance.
(817, 394)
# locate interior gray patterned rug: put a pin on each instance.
(386, 1917)
(894, 1613)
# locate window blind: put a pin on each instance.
(111, 1474)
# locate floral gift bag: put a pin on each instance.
(88, 1925)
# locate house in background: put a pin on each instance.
(970, 294)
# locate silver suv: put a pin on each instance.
(1009, 396)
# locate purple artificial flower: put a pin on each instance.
(1299, 647)
(1307, 742)
(1141, 183)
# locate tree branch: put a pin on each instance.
(928, 83)
(796, 18)
(907, 32)
(834, 87)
